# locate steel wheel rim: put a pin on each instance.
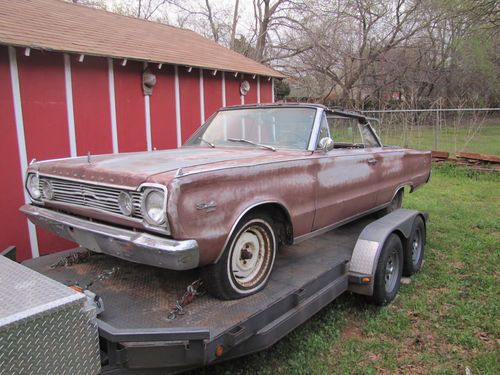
(391, 271)
(250, 256)
(416, 246)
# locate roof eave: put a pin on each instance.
(270, 72)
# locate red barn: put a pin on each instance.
(72, 82)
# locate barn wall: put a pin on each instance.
(14, 228)
(189, 92)
(162, 107)
(233, 96)
(72, 107)
(130, 107)
(251, 97)
(43, 100)
(212, 85)
(92, 117)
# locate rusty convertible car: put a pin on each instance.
(251, 179)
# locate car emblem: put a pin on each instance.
(208, 207)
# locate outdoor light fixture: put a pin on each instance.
(148, 82)
(244, 88)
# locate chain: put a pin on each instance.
(104, 275)
(74, 258)
(194, 289)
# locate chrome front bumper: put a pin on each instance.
(134, 246)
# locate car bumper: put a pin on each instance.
(134, 246)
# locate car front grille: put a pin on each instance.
(88, 195)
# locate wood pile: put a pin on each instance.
(477, 162)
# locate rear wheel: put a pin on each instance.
(414, 249)
(397, 202)
(247, 261)
(389, 270)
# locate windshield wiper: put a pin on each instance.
(251, 143)
(207, 142)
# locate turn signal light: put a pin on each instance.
(219, 351)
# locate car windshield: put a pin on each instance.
(258, 127)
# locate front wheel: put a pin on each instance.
(247, 261)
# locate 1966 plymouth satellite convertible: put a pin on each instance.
(251, 179)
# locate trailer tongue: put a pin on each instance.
(136, 328)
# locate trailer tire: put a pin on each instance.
(247, 261)
(388, 273)
(414, 248)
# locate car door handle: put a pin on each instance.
(372, 161)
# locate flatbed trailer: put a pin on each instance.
(137, 336)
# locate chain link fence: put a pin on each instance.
(452, 130)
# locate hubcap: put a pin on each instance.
(250, 256)
(391, 271)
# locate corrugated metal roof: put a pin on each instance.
(60, 26)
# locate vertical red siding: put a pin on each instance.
(130, 115)
(212, 88)
(91, 105)
(162, 109)
(266, 90)
(14, 226)
(189, 92)
(251, 97)
(233, 96)
(43, 98)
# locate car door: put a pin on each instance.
(347, 178)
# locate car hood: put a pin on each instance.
(132, 169)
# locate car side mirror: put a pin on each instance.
(326, 144)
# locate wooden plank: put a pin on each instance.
(479, 157)
(440, 154)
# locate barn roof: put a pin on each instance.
(60, 26)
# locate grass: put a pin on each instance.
(451, 139)
(444, 321)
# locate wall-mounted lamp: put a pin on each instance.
(148, 82)
(244, 88)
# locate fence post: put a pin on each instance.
(436, 132)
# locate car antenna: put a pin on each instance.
(88, 157)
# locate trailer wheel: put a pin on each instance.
(247, 261)
(414, 248)
(388, 273)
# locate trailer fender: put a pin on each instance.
(370, 242)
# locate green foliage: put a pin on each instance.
(281, 89)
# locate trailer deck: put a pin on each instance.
(136, 334)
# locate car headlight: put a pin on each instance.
(125, 203)
(47, 190)
(33, 186)
(153, 206)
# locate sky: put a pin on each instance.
(245, 10)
